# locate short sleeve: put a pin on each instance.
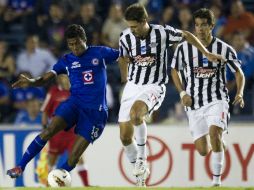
(59, 67)
(174, 35)
(109, 54)
(177, 59)
(123, 50)
(233, 62)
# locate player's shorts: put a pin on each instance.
(153, 95)
(89, 122)
(61, 142)
(215, 113)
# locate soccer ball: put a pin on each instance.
(59, 178)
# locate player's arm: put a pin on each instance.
(240, 83)
(123, 66)
(177, 65)
(123, 59)
(195, 41)
(24, 81)
(185, 98)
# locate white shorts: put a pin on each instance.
(215, 113)
(151, 94)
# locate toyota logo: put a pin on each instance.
(157, 151)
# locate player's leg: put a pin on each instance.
(199, 131)
(37, 145)
(217, 153)
(126, 127)
(52, 159)
(81, 166)
(129, 144)
(217, 121)
(78, 148)
(137, 114)
(90, 126)
(202, 145)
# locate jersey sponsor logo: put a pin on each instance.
(144, 60)
(88, 77)
(201, 72)
(75, 64)
(95, 61)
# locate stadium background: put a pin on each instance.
(24, 24)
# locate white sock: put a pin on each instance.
(131, 152)
(217, 163)
(81, 167)
(141, 137)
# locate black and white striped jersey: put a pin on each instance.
(205, 81)
(148, 56)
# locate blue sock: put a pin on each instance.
(33, 149)
(67, 167)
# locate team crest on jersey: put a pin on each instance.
(88, 77)
(143, 49)
(95, 61)
(144, 60)
(205, 62)
(201, 72)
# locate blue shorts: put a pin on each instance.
(89, 123)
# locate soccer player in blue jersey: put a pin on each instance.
(86, 108)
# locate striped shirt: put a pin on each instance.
(148, 56)
(205, 81)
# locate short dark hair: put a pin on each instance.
(136, 12)
(74, 31)
(204, 13)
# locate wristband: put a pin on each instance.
(182, 94)
(32, 80)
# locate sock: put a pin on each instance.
(83, 173)
(33, 149)
(217, 163)
(131, 151)
(67, 167)
(141, 137)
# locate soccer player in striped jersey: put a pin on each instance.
(204, 91)
(145, 71)
(86, 108)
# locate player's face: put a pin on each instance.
(137, 28)
(76, 45)
(202, 28)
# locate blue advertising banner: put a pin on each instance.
(13, 143)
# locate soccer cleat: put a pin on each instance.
(140, 167)
(141, 179)
(14, 172)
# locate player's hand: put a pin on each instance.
(186, 100)
(23, 82)
(239, 100)
(215, 58)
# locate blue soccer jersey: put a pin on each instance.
(87, 74)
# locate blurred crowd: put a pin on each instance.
(32, 39)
